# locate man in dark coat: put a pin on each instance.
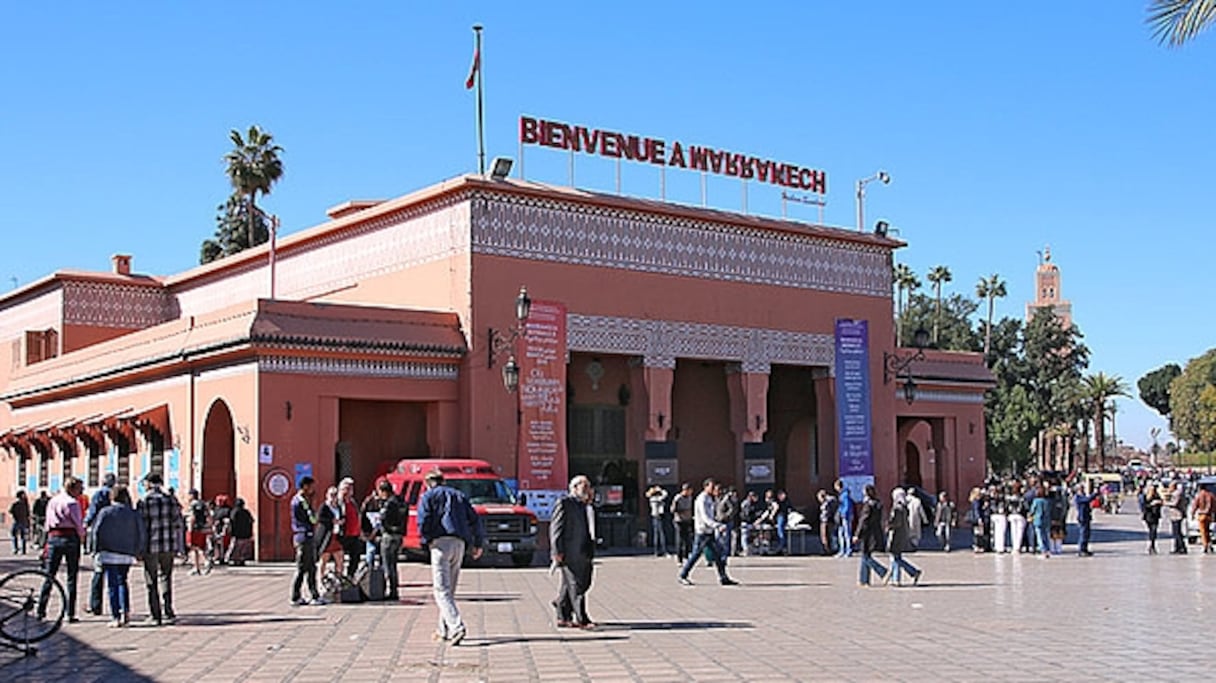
(870, 536)
(572, 543)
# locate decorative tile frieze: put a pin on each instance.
(661, 342)
(357, 368)
(569, 232)
(115, 304)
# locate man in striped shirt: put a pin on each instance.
(163, 516)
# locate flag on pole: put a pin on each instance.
(475, 70)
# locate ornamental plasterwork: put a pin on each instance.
(114, 304)
(357, 368)
(661, 342)
(567, 232)
(395, 242)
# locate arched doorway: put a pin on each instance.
(219, 452)
(912, 465)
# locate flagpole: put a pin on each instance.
(481, 128)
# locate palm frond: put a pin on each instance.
(1174, 22)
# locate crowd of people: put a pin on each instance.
(117, 532)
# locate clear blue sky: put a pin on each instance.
(1005, 127)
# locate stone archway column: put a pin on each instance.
(658, 377)
(747, 389)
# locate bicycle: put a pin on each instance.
(32, 606)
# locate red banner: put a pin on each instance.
(542, 399)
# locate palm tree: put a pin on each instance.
(938, 275)
(1098, 389)
(905, 282)
(990, 288)
(253, 166)
(1176, 21)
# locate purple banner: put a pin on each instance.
(853, 401)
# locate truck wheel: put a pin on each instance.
(521, 559)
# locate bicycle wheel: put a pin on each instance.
(32, 605)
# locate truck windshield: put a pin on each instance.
(482, 491)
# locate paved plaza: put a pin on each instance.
(1121, 615)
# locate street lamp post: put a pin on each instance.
(881, 176)
(498, 341)
(894, 365)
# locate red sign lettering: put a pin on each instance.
(615, 145)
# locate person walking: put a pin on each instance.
(119, 537)
(706, 536)
(162, 518)
(448, 524)
(572, 544)
(200, 526)
(782, 520)
(870, 536)
(977, 513)
(303, 533)
(1084, 504)
(100, 501)
(1175, 505)
(1204, 507)
(844, 527)
(749, 510)
(899, 529)
(20, 512)
(64, 533)
(38, 510)
(681, 513)
(943, 520)
(726, 511)
(1151, 514)
(242, 535)
(656, 496)
(392, 531)
(917, 518)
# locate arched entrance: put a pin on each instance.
(912, 465)
(219, 452)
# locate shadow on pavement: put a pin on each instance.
(238, 618)
(61, 658)
(777, 584)
(670, 625)
(575, 636)
(490, 597)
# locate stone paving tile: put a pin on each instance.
(1122, 615)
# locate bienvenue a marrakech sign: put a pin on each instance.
(615, 145)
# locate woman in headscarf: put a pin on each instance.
(329, 527)
(898, 530)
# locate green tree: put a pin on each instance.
(938, 275)
(1174, 22)
(253, 166)
(955, 330)
(1193, 403)
(231, 233)
(1054, 358)
(1012, 422)
(906, 282)
(1155, 387)
(1099, 388)
(990, 288)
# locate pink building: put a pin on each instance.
(696, 341)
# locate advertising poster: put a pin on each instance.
(853, 404)
(542, 400)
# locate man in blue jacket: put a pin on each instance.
(1085, 518)
(448, 524)
(303, 528)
